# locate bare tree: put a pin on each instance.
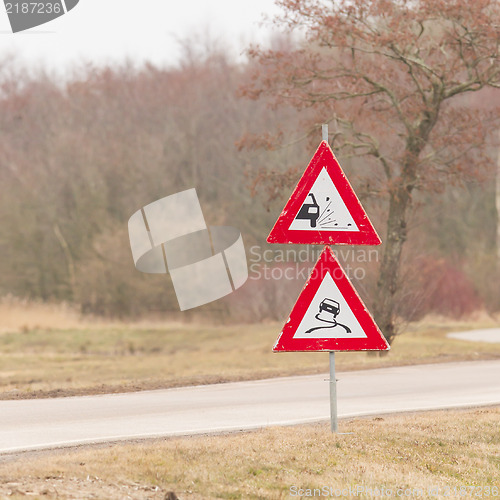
(389, 75)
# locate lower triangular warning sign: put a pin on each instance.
(329, 315)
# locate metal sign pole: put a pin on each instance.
(333, 380)
(324, 130)
(333, 395)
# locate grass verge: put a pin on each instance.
(427, 452)
(44, 362)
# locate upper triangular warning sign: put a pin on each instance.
(329, 315)
(323, 208)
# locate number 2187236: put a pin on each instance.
(33, 7)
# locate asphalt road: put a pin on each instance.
(48, 423)
(491, 335)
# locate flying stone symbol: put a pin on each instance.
(205, 263)
(24, 14)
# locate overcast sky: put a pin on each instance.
(103, 31)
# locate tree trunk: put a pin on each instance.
(69, 259)
(387, 285)
(399, 205)
(497, 199)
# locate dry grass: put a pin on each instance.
(446, 449)
(85, 357)
(23, 315)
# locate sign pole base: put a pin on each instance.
(333, 395)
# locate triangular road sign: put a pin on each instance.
(329, 315)
(323, 208)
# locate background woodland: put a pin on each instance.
(79, 155)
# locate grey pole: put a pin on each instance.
(333, 395)
(333, 380)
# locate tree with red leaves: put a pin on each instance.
(392, 77)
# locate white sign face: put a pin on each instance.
(329, 316)
(323, 209)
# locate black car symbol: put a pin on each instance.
(330, 306)
(309, 210)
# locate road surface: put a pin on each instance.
(491, 335)
(49, 423)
